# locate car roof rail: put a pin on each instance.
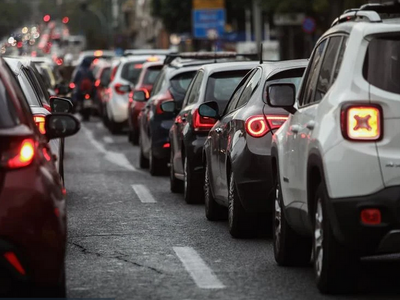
(208, 55)
(371, 12)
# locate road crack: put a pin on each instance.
(120, 257)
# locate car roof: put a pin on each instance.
(147, 52)
(229, 66)
(277, 66)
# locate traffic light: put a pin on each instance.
(46, 18)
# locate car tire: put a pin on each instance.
(130, 136)
(290, 248)
(143, 161)
(135, 136)
(114, 127)
(335, 266)
(214, 211)
(176, 185)
(241, 223)
(156, 166)
(192, 189)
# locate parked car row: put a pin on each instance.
(308, 146)
(33, 125)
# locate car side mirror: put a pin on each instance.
(282, 95)
(140, 96)
(209, 110)
(61, 125)
(60, 105)
(168, 106)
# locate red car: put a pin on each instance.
(139, 96)
(32, 200)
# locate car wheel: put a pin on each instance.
(143, 161)
(214, 211)
(130, 136)
(192, 189)
(290, 248)
(241, 223)
(135, 136)
(156, 166)
(335, 266)
(176, 185)
(114, 127)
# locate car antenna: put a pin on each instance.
(261, 53)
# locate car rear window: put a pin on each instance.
(8, 113)
(180, 84)
(151, 75)
(220, 86)
(382, 63)
(131, 71)
(29, 93)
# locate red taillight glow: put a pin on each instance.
(47, 107)
(167, 145)
(202, 123)
(97, 83)
(119, 89)
(24, 156)
(371, 216)
(72, 85)
(87, 96)
(40, 122)
(257, 126)
(276, 122)
(362, 123)
(138, 66)
(166, 97)
(146, 91)
(13, 260)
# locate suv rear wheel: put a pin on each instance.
(335, 266)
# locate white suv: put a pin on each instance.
(336, 161)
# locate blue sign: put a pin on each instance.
(309, 25)
(204, 20)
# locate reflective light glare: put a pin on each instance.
(11, 40)
(40, 123)
(25, 30)
(87, 96)
(97, 83)
(98, 53)
(46, 18)
(167, 145)
(24, 156)
(153, 58)
(13, 260)
(363, 123)
(65, 20)
(371, 216)
(46, 154)
(138, 66)
(72, 85)
(256, 126)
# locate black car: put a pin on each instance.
(237, 152)
(213, 82)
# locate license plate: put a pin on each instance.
(87, 103)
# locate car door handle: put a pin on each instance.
(295, 128)
(310, 125)
(218, 130)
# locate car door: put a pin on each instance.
(227, 128)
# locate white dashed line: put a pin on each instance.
(202, 275)
(108, 140)
(143, 193)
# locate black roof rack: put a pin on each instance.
(208, 56)
(371, 12)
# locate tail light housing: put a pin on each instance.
(362, 122)
(202, 123)
(259, 125)
(97, 83)
(163, 98)
(87, 96)
(20, 155)
(121, 89)
(47, 107)
(40, 122)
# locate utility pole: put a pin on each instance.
(257, 22)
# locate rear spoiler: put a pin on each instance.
(209, 55)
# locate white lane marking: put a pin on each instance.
(116, 158)
(108, 140)
(143, 193)
(202, 275)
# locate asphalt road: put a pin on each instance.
(130, 238)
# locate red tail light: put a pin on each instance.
(166, 97)
(40, 122)
(97, 83)
(257, 126)
(47, 107)
(121, 89)
(131, 97)
(362, 123)
(202, 123)
(13, 260)
(87, 96)
(146, 91)
(20, 156)
(72, 85)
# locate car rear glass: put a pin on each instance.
(151, 75)
(288, 76)
(131, 71)
(382, 63)
(220, 86)
(8, 113)
(28, 91)
(180, 84)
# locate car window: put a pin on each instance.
(249, 89)
(131, 71)
(193, 96)
(30, 94)
(382, 63)
(339, 59)
(105, 76)
(312, 74)
(325, 74)
(221, 85)
(189, 90)
(237, 93)
(180, 84)
(158, 83)
(151, 75)
(8, 113)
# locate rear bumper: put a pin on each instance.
(345, 216)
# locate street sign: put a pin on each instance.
(205, 21)
(309, 25)
(208, 4)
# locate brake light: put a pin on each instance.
(98, 53)
(13, 260)
(131, 97)
(72, 85)
(40, 122)
(20, 157)
(202, 123)
(121, 89)
(97, 83)
(138, 66)
(363, 123)
(146, 91)
(166, 97)
(257, 126)
(275, 122)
